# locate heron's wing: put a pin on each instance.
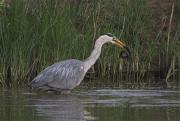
(68, 75)
(60, 75)
(44, 77)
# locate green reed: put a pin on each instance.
(35, 34)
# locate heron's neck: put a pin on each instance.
(93, 57)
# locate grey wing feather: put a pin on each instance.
(64, 75)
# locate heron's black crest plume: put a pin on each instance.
(110, 35)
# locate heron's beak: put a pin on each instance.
(122, 44)
(119, 43)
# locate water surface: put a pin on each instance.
(91, 105)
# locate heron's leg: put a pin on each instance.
(65, 91)
(60, 91)
(57, 92)
(42, 89)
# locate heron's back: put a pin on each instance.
(62, 75)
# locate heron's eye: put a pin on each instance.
(110, 35)
(114, 39)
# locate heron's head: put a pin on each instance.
(114, 40)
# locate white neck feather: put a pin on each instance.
(93, 56)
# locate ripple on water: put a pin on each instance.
(134, 98)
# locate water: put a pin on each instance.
(91, 105)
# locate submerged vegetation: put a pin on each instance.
(35, 34)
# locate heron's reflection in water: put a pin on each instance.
(61, 108)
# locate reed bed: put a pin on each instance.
(35, 34)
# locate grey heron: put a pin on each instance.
(65, 75)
